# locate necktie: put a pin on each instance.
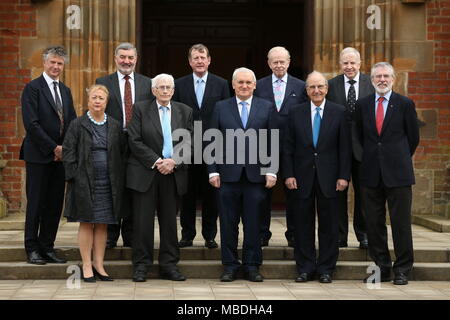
(316, 126)
(380, 115)
(128, 100)
(167, 133)
(200, 91)
(59, 107)
(278, 93)
(351, 96)
(244, 113)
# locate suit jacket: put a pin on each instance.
(387, 156)
(41, 121)
(226, 116)
(216, 89)
(145, 140)
(143, 91)
(336, 94)
(79, 170)
(330, 159)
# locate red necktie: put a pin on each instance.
(128, 100)
(380, 115)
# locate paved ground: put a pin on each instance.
(125, 289)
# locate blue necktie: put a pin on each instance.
(167, 133)
(200, 91)
(316, 126)
(244, 113)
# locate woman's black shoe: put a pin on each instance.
(90, 279)
(100, 276)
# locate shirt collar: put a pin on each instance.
(204, 78)
(121, 75)
(249, 100)
(322, 105)
(48, 79)
(387, 96)
(160, 105)
(274, 78)
(356, 78)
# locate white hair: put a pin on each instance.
(350, 50)
(382, 65)
(243, 69)
(283, 49)
(316, 73)
(160, 77)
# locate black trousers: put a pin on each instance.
(359, 221)
(199, 188)
(399, 202)
(125, 225)
(45, 195)
(161, 198)
(304, 235)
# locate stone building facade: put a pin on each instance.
(414, 35)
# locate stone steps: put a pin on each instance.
(212, 269)
(433, 222)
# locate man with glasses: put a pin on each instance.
(316, 162)
(157, 177)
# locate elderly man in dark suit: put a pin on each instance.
(200, 90)
(316, 162)
(126, 88)
(47, 110)
(387, 127)
(242, 183)
(284, 92)
(345, 89)
(157, 177)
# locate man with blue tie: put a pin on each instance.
(156, 177)
(285, 92)
(242, 185)
(316, 162)
(200, 90)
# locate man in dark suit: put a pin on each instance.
(200, 90)
(316, 162)
(242, 183)
(345, 89)
(47, 110)
(157, 177)
(387, 127)
(284, 92)
(126, 88)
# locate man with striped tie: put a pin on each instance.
(316, 162)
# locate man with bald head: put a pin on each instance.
(284, 92)
(316, 165)
(345, 89)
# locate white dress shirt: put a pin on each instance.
(51, 87)
(122, 92)
(161, 112)
(347, 85)
(313, 111)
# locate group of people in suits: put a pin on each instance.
(121, 166)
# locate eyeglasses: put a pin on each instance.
(163, 88)
(320, 87)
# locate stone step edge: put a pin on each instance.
(213, 269)
(433, 222)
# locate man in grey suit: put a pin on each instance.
(345, 89)
(126, 87)
(157, 177)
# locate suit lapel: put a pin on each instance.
(287, 92)
(307, 125)
(48, 94)
(234, 109)
(253, 112)
(208, 88)
(114, 79)
(191, 89)
(363, 86)
(154, 117)
(341, 90)
(325, 123)
(389, 112)
(371, 113)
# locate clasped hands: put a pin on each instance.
(58, 153)
(165, 166)
(291, 184)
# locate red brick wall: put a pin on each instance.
(17, 20)
(431, 93)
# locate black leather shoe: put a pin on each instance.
(364, 244)
(254, 276)
(139, 276)
(173, 275)
(343, 244)
(211, 244)
(34, 257)
(303, 277)
(50, 257)
(325, 278)
(400, 279)
(185, 243)
(264, 243)
(101, 276)
(111, 245)
(291, 243)
(89, 279)
(227, 276)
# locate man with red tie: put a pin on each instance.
(387, 128)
